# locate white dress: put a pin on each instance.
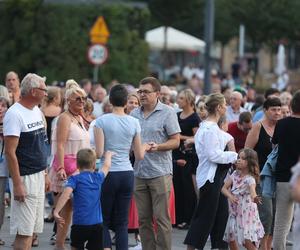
(243, 221)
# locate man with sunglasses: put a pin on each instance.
(26, 153)
(153, 174)
(239, 130)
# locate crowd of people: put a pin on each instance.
(122, 159)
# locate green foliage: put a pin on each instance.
(52, 40)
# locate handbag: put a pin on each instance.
(70, 164)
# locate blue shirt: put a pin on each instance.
(119, 132)
(86, 197)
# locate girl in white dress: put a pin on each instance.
(243, 225)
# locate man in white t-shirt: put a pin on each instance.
(100, 94)
(26, 153)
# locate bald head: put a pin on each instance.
(165, 94)
(12, 81)
(236, 99)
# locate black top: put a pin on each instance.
(287, 136)
(49, 120)
(186, 125)
(263, 147)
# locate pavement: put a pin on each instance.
(44, 238)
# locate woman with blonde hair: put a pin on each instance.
(69, 136)
(210, 174)
(185, 160)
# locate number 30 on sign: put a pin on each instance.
(97, 54)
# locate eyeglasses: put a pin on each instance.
(45, 90)
(145, 92)
(80, 99)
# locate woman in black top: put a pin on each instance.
(185, 160)
(287, 136)
(259, 138)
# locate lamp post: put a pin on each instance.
(208, 37)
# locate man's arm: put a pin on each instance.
(172, 143)
(11, 143)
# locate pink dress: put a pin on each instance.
(78, 138)
(243, 221)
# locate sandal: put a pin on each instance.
(35, 241)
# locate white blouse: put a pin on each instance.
(210, 142)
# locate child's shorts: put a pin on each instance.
(92, 235)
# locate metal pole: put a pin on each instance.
(208, 37)
(95, 73)
(242, 41)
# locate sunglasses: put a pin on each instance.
(80, 99)
(45, 90)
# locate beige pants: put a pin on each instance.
(283, 216)
(152, 199)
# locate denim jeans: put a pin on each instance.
(116, 194)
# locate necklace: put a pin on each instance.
(74, 115)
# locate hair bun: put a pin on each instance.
(71, 84)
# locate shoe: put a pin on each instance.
(35, 241)
(289, 243)
(2, 242)
(49, 219)
(137, 247)
(183, 226)
(53, 239)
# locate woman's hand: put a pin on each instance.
(61, 174)
(181, 162)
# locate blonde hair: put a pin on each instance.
(189, 97)
(86, 158)
(4, 92)
(213, 101)
(134, 94)
(52, 92)
(72, 87)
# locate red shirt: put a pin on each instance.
(238, 135)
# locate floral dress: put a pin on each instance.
(243, 221)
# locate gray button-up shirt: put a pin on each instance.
(156, 127)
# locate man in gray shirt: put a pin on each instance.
(153, 174)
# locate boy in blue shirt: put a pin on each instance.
(86, 189)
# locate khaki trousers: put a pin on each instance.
(152, 200)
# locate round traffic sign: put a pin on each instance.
(97, 54)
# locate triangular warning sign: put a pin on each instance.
(99, 33)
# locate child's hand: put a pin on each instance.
(109, 154)
(257, 199)
(59, 220)
(146, 146)
(233, 199)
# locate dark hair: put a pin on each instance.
(245, 117)
(252, 162)
(84, 82)
(295, 102)
(86, 158)
(272, 102)
(271, 91)
(153, 81)
(118, 95)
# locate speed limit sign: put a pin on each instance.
(97, 54)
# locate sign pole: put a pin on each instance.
(96, 73)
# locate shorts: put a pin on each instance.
(28, 217)
(92, 234)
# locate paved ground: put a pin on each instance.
(44, 239)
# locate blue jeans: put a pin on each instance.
(116, 194)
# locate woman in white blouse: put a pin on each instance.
(210, 144)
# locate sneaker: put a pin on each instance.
(289, 243)
(137, 247)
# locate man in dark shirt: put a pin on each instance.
(239, 130)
